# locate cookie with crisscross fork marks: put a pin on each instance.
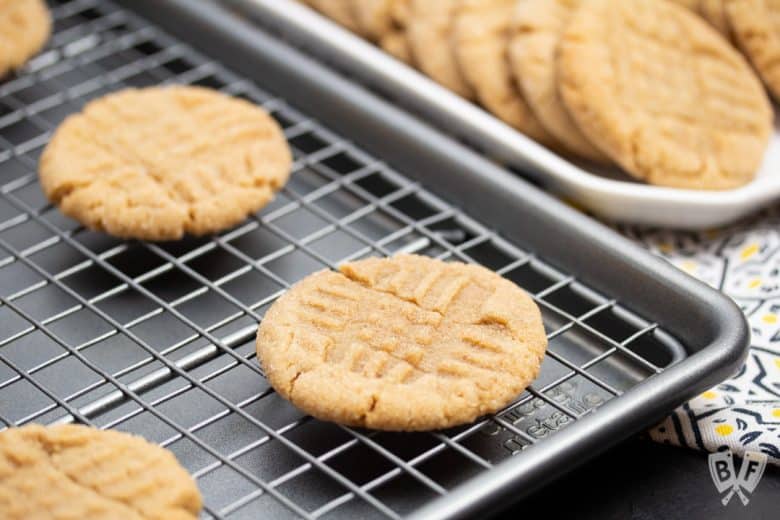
(403, 343)
(25, 26)
(69, 471)
(159, 162)
(663, 94)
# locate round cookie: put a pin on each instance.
(536, 30)
(481, 43)
(429, 35)
(406, 343)
(160, 162)
(25, 26)
(756, 27)
(663, 95)
(69, 471)
(340, 11)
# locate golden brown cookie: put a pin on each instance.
(429, 34)
(340, 11)
(663, 95)
(160, 162)
(403, 343)
(693, 5)
(69, 471)
(756, 27)
(537, 28)
(374, 17)
(481, 42)
(394, 41)
(25, 26)
(714, 11)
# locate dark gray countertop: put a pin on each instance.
(641, 480)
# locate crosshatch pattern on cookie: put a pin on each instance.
(156, 163)
(672, 102)
(87, 472)
(415, 343)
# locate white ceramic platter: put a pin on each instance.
(609, 194)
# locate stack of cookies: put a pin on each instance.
(658, 88)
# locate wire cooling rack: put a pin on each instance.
(157, 339)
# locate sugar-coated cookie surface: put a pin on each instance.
(663, 94)
(481, 43)
(402, 343)
(161, 162)
(69, 471)
(756, 28)
(25, 26)
(536, 31)
(430, 36)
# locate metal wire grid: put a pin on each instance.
(156, 339)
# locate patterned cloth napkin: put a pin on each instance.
(743, 261)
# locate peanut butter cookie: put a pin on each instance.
(756, 27)
(402, 343)
(25, 26)
(71, 471)
(430, 34)
(714, 11)
(481, 41)
(160, 162)
(663, 95)
(385, 22)
(536, 31)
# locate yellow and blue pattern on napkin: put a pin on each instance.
(743, 261)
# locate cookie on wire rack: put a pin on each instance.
(25, 26)
(69, 471)
(161, 162)
(405, 343)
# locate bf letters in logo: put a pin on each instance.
(726, 478)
